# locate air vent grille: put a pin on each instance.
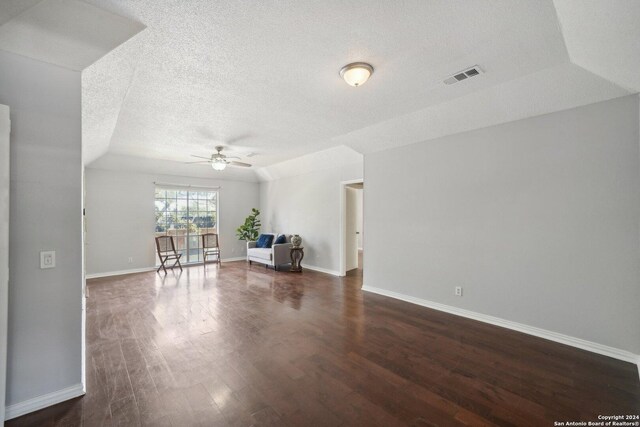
(463, 75)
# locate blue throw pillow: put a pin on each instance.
(264, 241)
(280, 240)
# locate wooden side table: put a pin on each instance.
(297, 253)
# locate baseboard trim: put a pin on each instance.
(604, 350)
(238, 258)
(145, 269)
(19, 409)
(119, 272)
(321, 270)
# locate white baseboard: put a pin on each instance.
(310, 267)
(616, 353)
(120, 272)
(145, 269)
(44, 401)
(320, 269)
(238, 258)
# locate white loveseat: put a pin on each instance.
(274, 256)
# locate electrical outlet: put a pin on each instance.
(47, 259)
(130, 259)
(458, 291)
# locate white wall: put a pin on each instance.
(45, 316)
(121, 221)
(4, 247)
(309, 205)
(538, 221)
(360, 216)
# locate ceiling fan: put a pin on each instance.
(219, 161)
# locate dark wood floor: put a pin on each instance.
(243, 346)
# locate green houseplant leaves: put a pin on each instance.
(249, 230)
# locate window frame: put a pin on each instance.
(186, 216)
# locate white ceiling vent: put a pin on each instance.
(463, 75)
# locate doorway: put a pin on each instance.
(352, 230)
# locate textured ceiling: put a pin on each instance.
(604, 38)
(262, 77)
(552, 89)
(123, 163)
(69, 33)
(9, 9)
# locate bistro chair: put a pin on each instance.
(210, 247)
(167, 251)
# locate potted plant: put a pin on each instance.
(249, 230)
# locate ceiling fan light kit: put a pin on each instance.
(219, 164)
(219, 161)
(356, 73)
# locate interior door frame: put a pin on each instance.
(5, 183)
(343, 223)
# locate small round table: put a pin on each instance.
(297, 254)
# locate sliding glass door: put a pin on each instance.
(186, 214)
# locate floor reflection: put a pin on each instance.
(240, 345)
(353, 310)
(288, 292)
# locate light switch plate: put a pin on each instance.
(47, 259)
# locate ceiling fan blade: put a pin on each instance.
(201, 161)
(240, 164)
(231, 157)
(200, 157)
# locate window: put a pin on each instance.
(185, 215)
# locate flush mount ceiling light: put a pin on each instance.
(356, 73)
